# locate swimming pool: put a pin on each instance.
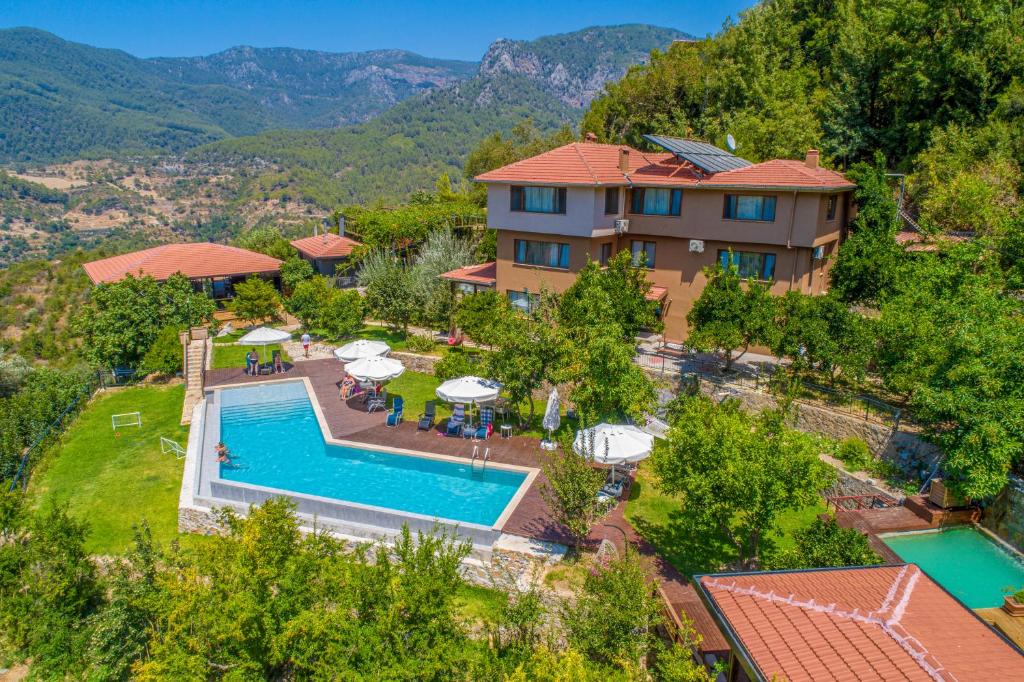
(973, 567)
(276, 442)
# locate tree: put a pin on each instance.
(266, 240)
(481, 316)
(627, 287)
(166, 355)
(737, 472)
(256, 300)
(571, 490)
(307, 301)
(183, 306)
(825, 544)
(390, 292)
(343, 314)
(869, 263)
(442, 251)
(821, 332)
(293, 271)
(729, 316)
(624, 638)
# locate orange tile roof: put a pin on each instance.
(328, 245)
(485, 273)
(194, 260)
(593, 164)
(868, 623)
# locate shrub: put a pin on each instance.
(165, 356)
(854, 452)
(825, 544)
(293, 271)
(421, 343)
(342, 314)
(454, 363)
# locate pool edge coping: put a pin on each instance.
(531, 473)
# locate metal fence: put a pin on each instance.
(55, 429)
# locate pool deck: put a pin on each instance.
(531, 518)
(1012, 627)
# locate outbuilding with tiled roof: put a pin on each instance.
(326, 252)
(197, 261)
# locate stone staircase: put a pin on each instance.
(195, 374)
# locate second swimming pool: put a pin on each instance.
(276, 442)
(973, 567)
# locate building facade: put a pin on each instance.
(678, 212)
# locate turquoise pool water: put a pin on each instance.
(964, 561)
(275, 441)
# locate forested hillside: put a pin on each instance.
(61, 100)
(405, 149)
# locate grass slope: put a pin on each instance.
(115, 479)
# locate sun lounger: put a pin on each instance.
(457, 420)
(395, 415)
(428, 416)
(485, 428)
(379, 402)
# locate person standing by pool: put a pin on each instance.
(305, 343)
(252, 363)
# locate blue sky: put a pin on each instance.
(455, 29)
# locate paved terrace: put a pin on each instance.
(348, 420)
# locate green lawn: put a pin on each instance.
(115, 479)
(479, 604)
(225, 356)
(656, 516)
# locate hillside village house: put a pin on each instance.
(214, 268)
(677, 211)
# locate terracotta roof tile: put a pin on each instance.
(485, 273)
(327, 245)
(194, 260)
(592, 164)
(872, 623)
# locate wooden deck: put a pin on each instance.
(1011, 627)
(531, 518)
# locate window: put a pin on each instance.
(643, 253)
(611, 200)
(648, 201)
(751, 265)
(548, 254)
(606, 254)
(744, 207)
(524, 300)
(538, 199)
(830, 212)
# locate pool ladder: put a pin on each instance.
(476, 456)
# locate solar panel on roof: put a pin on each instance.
(707, 157)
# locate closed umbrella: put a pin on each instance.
(264, 336)
(472, 390)
(375, 369)
(552, 419)
(613, 444)
(363, 348)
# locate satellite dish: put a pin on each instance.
(730, 142)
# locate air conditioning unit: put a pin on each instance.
(621, 225)
(819, 252)
(696, 246)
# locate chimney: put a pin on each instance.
(326, 226)
(624, 160)
(590, 137)
(811, 160)
(341, 226)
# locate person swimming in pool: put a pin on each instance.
(223, 454)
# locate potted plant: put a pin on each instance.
(1013, 604)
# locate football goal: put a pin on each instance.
(168, 445)
(126, 419)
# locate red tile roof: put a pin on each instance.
(485, 273)
(592, 164)
(328, 245)
(194, 260)
(871, 623)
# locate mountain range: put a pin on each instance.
(60, 99)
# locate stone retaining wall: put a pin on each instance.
(415, 361)
(1004, 516)
(902, 447)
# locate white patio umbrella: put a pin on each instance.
(613, 444)
(264, 336)
(472, 390)
(376, 368)
(363, 348)
(552, 419)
